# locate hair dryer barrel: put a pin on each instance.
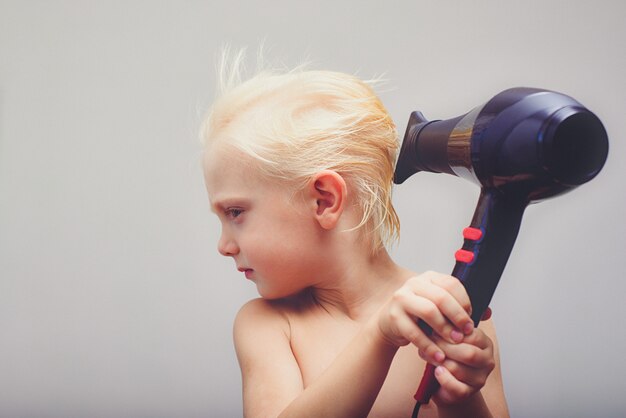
(535, 140)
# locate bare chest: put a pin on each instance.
(317, 340)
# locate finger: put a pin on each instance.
(439, 306)
(427, 348)
(479, 339)
(472, 352)
(454, 287)
(474, 377)
(452, 390)
(421, 307)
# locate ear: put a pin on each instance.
(328, 191)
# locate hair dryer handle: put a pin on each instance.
(479, 264)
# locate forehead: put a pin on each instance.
(224, 165)
(230, 174)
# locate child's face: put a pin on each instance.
(270, 236)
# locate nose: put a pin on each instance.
(227, 246)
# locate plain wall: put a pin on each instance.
(113, 299)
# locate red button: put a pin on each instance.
(464, 256)
(473, 234)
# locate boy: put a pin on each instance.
(298, 168)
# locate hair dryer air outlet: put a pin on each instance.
(522, 146)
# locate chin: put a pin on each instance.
(275, 294)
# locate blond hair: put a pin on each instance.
(298, 123)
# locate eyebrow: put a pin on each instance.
(221, 204)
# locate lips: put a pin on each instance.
(248, 272)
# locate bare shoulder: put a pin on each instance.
(268, 313)
(259, 317)
(259, 309)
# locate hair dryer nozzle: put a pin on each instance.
(422, 149)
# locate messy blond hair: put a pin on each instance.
(297, 123)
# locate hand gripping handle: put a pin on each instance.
(480, 262)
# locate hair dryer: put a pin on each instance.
(522, 146)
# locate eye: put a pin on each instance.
(233, 212)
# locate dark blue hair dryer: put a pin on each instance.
(522, 146)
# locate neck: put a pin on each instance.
(357, 287)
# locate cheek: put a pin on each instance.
(295, 258)
(283, 243)
(285, 252)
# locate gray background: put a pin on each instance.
(113, 299)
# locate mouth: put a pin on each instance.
(248, 272)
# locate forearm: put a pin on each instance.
(474, 407)
(350, 385)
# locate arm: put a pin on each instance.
(349, 386)
(272, 384)
(270, 374)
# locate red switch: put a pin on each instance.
(473, 234)
(464, 256)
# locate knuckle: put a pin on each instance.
(480, 339)
(464, 392)
(394, 314)
(415, 285)
(413, 281)
(453, 367)
(489, 342)
(439, 298)
(460, 317)
(413, 335)
(471, 356)
(430, 350)
(400, 296)
(429, 310)
(397, 295)
(430, 276)
(449, 283)
(466, 304)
